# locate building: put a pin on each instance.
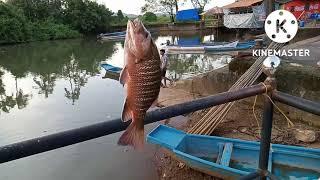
(245, 14)
(302, 9)
(213, 17)
(307, 11)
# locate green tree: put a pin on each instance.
(200, 4)
(13, 25)
(149, 17)
(120, 15)
(87, 16)
(169, 7)
(33, 20)
(38, 10)
(20, 24)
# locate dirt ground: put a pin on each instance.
(240, 123)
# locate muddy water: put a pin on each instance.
(49, 87)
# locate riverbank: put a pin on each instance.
(240, 122)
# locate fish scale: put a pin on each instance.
(147, 82)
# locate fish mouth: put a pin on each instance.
(135, 24)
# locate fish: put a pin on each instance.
(141, 77)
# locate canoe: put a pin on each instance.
(232, 158)
(111, 68)
(238, 47)
(207, 47)
(112, 36)
(111, 75)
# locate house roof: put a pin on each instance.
(282, 1)
(242, 3)
(214, 10)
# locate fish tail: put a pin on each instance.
(133, 136)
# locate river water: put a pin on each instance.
(49, 87)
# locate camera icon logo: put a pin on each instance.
(281, 26)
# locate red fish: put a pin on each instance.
(141, 77)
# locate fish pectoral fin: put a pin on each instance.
(124, 75)
(126, 112)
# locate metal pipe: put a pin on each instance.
(270, 6)
(266, 135)
(250, 176)
(297, 102)
(66, 138)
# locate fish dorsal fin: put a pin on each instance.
(124, 75)
(126, 112)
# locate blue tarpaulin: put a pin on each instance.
(186, 41)
(315, 16)
(188, 15)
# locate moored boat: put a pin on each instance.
(211, 47)
(232, 158)
(110, 68)
(112, 36)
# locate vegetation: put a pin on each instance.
(149, 17)
(25, 20)
(200, 4)
(38, 20)
(169, 7)
(120, 19)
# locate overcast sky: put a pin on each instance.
(134, 6)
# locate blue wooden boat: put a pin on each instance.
(240, 46)
(232, 158)
(110, 68)
(211, 47)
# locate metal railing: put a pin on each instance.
(54, 141)
(300, 103)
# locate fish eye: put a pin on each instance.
(146, 35)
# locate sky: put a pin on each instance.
(134, 6)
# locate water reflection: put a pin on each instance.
(48, 62)
(182, 66)
(45, 84)
(76, 77)
(47, 87)
(7, 102)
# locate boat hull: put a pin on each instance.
(112, 36)
(111, 69)
(210, 48)
(232, 158)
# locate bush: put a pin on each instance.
(51, 31)
(15, 28)
(13, 25)
(87, 16)
(149, 17)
